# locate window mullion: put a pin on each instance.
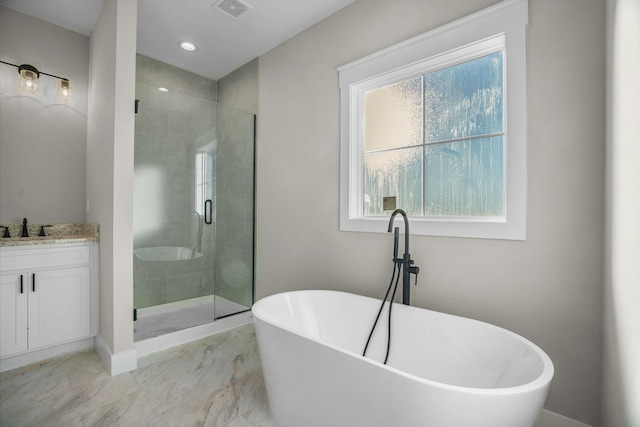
(424, 149)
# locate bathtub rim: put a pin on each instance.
(540, 382)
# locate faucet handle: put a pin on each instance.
(42, 233)
(414, 270)
(6, 231)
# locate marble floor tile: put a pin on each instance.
(216, 381)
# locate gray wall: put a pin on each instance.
(110, 137)
(547, 288)
(239, 89)
(621, 389)
(159, 74)
(42, 140)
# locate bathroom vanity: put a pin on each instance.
(48, 297)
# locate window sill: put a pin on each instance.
(480, 228)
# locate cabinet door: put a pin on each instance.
(13, 314)
(59, 306)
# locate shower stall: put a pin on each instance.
(193, 203)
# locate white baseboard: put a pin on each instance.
(551, 419)
(37, 356)
(118, 363)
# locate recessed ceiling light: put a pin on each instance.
(187, 46)
(163, 89)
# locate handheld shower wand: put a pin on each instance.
(396, 237)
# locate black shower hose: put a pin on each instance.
(395, 276)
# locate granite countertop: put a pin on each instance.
(55, 234)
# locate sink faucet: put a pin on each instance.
(406, 261)
(25, 232)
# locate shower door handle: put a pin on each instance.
(208, 211)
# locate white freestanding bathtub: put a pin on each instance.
(443, 370)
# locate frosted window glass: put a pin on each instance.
(395, 173)
(465, 178)
(393, 115)
(465, 99)
(462, 149)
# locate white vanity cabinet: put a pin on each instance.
(47, 296)
(13, 315)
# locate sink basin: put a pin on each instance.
(166, 253)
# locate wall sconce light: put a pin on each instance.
(64, 90)
(29, 76)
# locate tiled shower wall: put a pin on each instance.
(235, 207)
(237, 91)
(170, 128)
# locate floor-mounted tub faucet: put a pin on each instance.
(405, 261)
(403, 264)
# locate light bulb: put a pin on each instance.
(64, 90)
(187, 46)
(28, 77)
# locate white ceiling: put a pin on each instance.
(223, 43)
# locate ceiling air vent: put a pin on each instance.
(232, 8)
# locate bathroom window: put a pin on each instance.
(437, 126)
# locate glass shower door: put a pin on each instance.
(193, 211)
(234, 213)
(173, 245)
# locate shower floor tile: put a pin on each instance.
(182, 316)
(215, 381)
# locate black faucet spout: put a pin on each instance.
(25, 231)
(406, 227)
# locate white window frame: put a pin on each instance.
(484, 31)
